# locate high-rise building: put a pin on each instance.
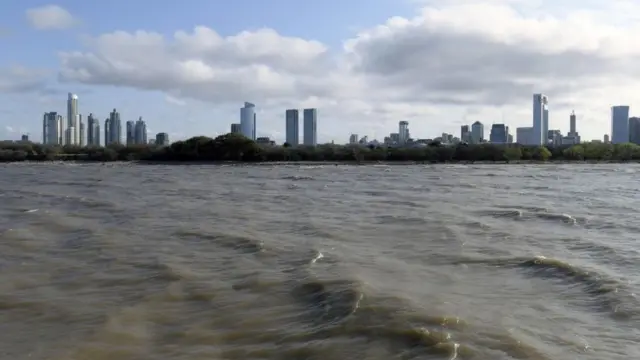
(619, 124)
(93, 131)
(107, 132)
(115, 129)
(465, 135)
(248, 120)
(82, 141)
(292, 127)
(403, 132)
(572, 123)
(634, 130)
(51, 127)
(310, 135)
(73, 118)
(131, 133)
(477, 132)
(499, 134)
(540, 119)
(606, 139)
(140, 132)
(236, 129)
(353, 139)
(162, 139)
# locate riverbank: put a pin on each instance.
(321, 163)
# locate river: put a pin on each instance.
(293, 262)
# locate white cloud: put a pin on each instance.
(50, 17)
(9, 129)
(453, 63)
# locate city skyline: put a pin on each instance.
(204, 66)
(58, 130)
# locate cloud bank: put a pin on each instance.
(454, 62)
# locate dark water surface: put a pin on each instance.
(319, 262)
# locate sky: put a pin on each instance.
(187, 67)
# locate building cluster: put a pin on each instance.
(247, 126)
(538, 134)
(71, 130)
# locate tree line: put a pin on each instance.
(235, 147)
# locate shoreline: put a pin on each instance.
(326, 163)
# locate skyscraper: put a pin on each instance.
(73, 118)
(403, 132)
(115, 130)
(292, 127)
(93, 131)
(464, 133)
(248, 120)
(83, 136)
(619, 124)
(572, 123)
(477, 132)
(236, 129)
(540, 119)
(107, 132)
(310, 136)
(634, 130)
(131, 133)
(140, 132)
(51, 127)
(499, 134)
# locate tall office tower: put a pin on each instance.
(499, 134)
(131, 133)
(540, 119)
(572, 123)
(634, 130)
(162, 139)
(51, 128)
(403, 132)
(236, 129)
(107, 133)
(73, 118)
(465, 135)
(310, 120)
(248, 120)
(115, 130)
(83, 134)
(477, 132)
(619, 124)
(93, 131)
(255, 134)
(44, 129)
(140, 132)
(353, 139)
(292, 128)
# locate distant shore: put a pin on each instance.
(324, 163)
(396, 163)
(239, 150)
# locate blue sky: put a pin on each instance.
(347, 49)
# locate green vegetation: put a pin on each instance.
(234, 147)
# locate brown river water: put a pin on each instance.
(296, 262)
